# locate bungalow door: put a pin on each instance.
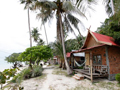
(87, 58)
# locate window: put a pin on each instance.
(94, 59)
(97, 59)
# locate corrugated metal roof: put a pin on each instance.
(82, 54)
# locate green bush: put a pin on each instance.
(27, 73)
(117, 77)
(37, 71)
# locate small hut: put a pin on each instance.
(102, 56)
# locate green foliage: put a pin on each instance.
(36, 53)
(27, 73)
(37, 71)
(35, 34)
(117, 77)
(111, 27)
(6, 74)
(70, 44)
(13, 58)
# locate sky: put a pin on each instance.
(14, 36)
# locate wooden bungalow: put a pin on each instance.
(74, 58)
(102, 56)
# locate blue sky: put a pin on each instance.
(14, 36)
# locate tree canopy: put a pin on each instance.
(111, 28)
(36, 53)
(13, 58)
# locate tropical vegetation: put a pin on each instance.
(13, 58)
(27, 73)
(66, 20)
(111, 26)
(6, 75)
(36, 37)
(117, 77)
(35, 54)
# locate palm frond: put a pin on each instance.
(46, 10)
(69, 7)
(85, 5)
(73, 20)
(59, 50)
(107, 7)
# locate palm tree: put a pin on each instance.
(40, 42)
(28, 6)
(45, 33)
(61, 10)
(35, 34)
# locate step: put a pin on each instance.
(78, 76)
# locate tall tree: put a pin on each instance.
(60, 10)
(28, 6)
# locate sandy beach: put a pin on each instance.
(51, 81)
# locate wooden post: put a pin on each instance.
(91, 66)
(107, 62)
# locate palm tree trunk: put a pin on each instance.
(112, 6)
(58, 28)
(69, 71)
(29, 28)
(30, 35)
(45, 34)
(81, 36)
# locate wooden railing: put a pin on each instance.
(102, 69)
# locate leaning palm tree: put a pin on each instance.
(61, 10)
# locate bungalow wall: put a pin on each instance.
(100, 51)
(95, 52)
(114, 60)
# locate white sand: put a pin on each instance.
(61, 82)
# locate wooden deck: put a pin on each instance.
(86, 73)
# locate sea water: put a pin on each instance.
(4, 64)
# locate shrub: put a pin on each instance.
(27, 73)
(37, 71)
(117, 77)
